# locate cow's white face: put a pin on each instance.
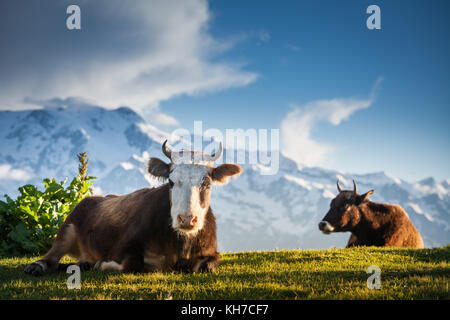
(190, 175)
(190, 196)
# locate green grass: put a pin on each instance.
(285, 274)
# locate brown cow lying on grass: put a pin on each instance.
(171, 227)
(371, 224)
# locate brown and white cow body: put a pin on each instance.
(370, 223)
(168, 228)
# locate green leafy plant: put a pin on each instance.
(29, 224)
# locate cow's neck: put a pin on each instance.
(371, 222)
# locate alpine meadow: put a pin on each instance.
(224, 159)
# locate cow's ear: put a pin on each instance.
(222, 172)
(158, 168)
(365, 196)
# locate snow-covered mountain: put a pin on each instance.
(254, 211)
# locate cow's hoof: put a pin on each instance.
(85, 266)
(209, 266)
(98, 265)
(36, 269)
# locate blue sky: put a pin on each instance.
(293, 65)
(323, 50)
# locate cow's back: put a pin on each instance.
(398, 230)
(406, 234)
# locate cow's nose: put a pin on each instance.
(322, 225)
(186, 220)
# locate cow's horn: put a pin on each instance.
(338, 186)
(216, 155)
(354, 187)
(166, 150)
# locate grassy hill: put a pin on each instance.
(285, 274)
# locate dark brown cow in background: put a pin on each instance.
(371, 224)
(171, 227)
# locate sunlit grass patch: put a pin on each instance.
(281, 274)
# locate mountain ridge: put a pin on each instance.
(254, 211)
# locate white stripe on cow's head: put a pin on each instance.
(190, 175)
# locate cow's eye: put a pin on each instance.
(171, 183)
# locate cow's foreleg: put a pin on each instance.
(209, 264)
(352, 241)
(64, 243)
(198, 264)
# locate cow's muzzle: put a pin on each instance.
(325, 227)
(186, 221)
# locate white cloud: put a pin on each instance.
(127, 165)
(8, 173)
(264, 36)
(165, 119)
(156, 116)
(293, 47)
(145, 53)
(296, 127)
(97, 190)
